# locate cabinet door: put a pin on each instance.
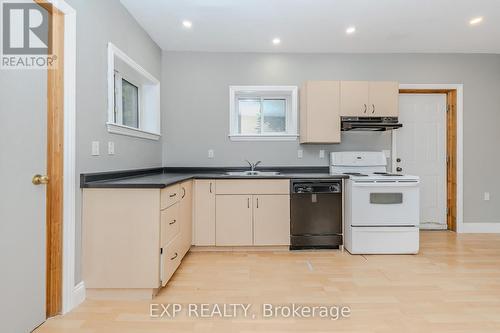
(384, 99)
(354, 98)
(204, 212)
(271, 220)
(319, 112)
(234, 220)
(186, 215)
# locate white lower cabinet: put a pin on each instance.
(271, 220)
(204, 212)
(233, 220)
(252, 218)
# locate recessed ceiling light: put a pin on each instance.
(350, 30)
(187, 24)
(476, 20)
(276, 41)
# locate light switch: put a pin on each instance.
(111, 148)
(211, 153)
(321, 153)
(95, 148)
(300, 153)
(486, 196)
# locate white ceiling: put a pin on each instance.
(319, 25)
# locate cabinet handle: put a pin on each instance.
(172, 195)
(257, 202)
(172, 222)
(174, 256)
(248, 202)
(366, 108)
(183, 193)
(210, 187)
(373, 111)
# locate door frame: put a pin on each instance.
(454, 146)
(61, 293)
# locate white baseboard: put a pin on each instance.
(479, 228)
(78, 294)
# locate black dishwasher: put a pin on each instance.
(315, 214)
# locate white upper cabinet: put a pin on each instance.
(384, 98)
(354, 98)
(369, 98)
(319, 112)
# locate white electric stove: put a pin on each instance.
(381, 209)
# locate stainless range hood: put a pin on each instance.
(376, 124)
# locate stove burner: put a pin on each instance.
(355, 174)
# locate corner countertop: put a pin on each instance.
(163, 177)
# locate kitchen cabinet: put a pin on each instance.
(252, 212)
(369, 98)
(134, 239)
(121, 240)
(234, 220)
(186, 215)
(204, 212)
(384, 98)
(320, 112)
(271, 220)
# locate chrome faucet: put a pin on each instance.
(253, 165)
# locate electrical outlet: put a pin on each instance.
(321, 153)
(486, 196)
(300, 153)
(211, 153)
(111, 148)
(95, 148)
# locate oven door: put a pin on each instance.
(387, 203)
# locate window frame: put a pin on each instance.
(289, 93)
(148, 97)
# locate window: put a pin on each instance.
(263, 113)
(134, 98)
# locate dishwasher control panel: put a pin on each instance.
(316, 186)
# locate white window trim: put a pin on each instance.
(117, 128)
(292, 120)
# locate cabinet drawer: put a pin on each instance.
(170, 259)
(253, 186)
(170, 224)
(169, 196)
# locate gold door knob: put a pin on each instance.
(39, 179)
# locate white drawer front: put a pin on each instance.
(170, 224)
(170, 259)
(383, 240)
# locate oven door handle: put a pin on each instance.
(383, 184)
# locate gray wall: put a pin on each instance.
(100, 22)
(196, 110)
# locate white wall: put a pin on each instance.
(196, 109)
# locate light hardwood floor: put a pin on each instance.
(453, 285)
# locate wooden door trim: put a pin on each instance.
(451, 150)
(55, 162)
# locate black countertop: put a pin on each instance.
(163, 177)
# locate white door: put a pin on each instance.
(23, 149)
(421, 151)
